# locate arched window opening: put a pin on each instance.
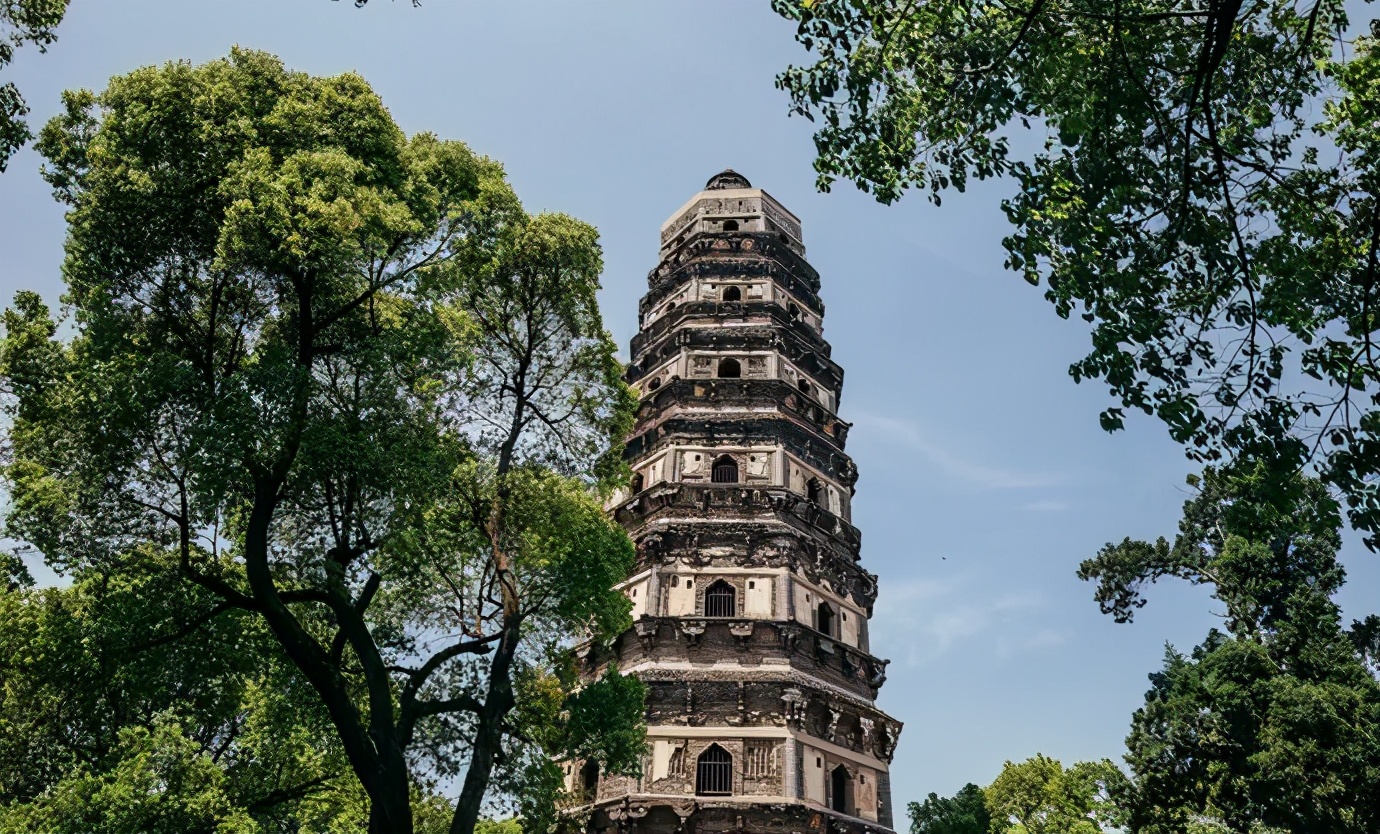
(654, 384)
(730, 369)
(813, 490)
(824, 619)
(714, 772)
(838, 789)
(730, 225)
(805, 387)
(721, 600)
(637, 483)
(589, 781)
(793, 311)
(732, 294)
(725, 471)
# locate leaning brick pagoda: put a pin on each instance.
(750, 608)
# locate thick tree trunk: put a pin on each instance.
(489, 733)
(377, 762)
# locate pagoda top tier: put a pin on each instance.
(729, 203)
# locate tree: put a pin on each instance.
(22, 21)
(1258, 538)
(1204, 194)
(1269, 726)
(121, 713)
(963, 813)
(1038, 796)
(355, 388)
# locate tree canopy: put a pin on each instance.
(963, 813)
(1269, 725)
(358, 393)
(1196, 180)
(21, 22)
(121, 713)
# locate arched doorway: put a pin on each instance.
(813, 490)
(732, 294)
(589, 781)
(730, 369)
(839, 790)
(824, 619)
(721, 600)
(714, 772)
(725, 471)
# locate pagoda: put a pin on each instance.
(750, 608)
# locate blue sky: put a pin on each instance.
(984, 476)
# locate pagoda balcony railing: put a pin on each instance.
(730, 501)
(689, 638)
(775, 311)
(622, 811)
(702, 249)
(753, 393)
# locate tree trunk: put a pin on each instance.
(489, 734)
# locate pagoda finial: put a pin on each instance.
(727, 178)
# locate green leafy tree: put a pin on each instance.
(356, 390)
(1270, 725)
(21, 22)
(122, 711)
(1038, 796)
(1200, 186)
(963, 813)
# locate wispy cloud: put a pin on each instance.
(918, 620)
(911, 436)
(1045, 506)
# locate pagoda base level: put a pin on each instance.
(660, 814)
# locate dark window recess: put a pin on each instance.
(838, 789)
(654, 384)
(805, 387)
(813, 490)
(589, 780)
(725, 471)
(732, 294)
(714, 772)
(721, 600)
(824, 619)
(636, 483)
(730, 225)
(794, 311)
(730, 369)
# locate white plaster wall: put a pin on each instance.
(848, 625)
(637, 592)
(814, 774)
(757, 598)
(805, 602)
(680, 596)
(661, 758)
(865, 793)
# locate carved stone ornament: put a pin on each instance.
(693, 631)
(790, 635)
(742, 631)
(646, 628)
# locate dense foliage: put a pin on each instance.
(121, 712)
(1270, 725)
(1036, 796)
(362, 397)
(21, 22)
(963, 813)
(1198, 180)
